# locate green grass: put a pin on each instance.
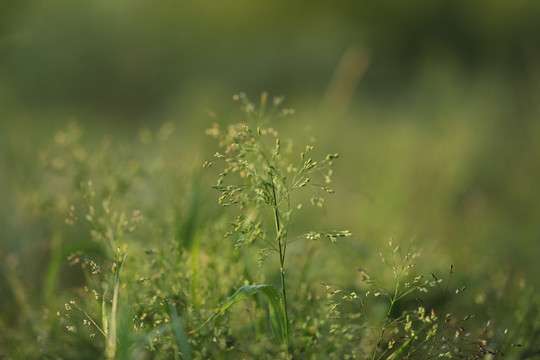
(142, 262)
(106, 209)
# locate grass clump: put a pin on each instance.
(264, 181)
(407, 317)
(151, 275)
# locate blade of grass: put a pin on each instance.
(277, 316)
(180, 333)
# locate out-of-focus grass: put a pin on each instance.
(439, 134)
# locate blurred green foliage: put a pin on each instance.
(432, 105)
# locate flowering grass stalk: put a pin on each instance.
(262, 179)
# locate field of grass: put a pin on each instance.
(386, 208)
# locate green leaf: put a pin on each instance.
(402, 351)
(280, 328)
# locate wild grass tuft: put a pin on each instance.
(259, 179)
(143, 265)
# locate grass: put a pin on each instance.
(267, 182)
(146, 266)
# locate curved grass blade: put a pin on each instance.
(278, 324)
(402, 351)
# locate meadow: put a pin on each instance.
(358, 184)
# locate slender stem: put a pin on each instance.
(387, 319)
(112, 336)
(381, 336)
(282, 247)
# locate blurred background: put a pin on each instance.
(433, 106)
